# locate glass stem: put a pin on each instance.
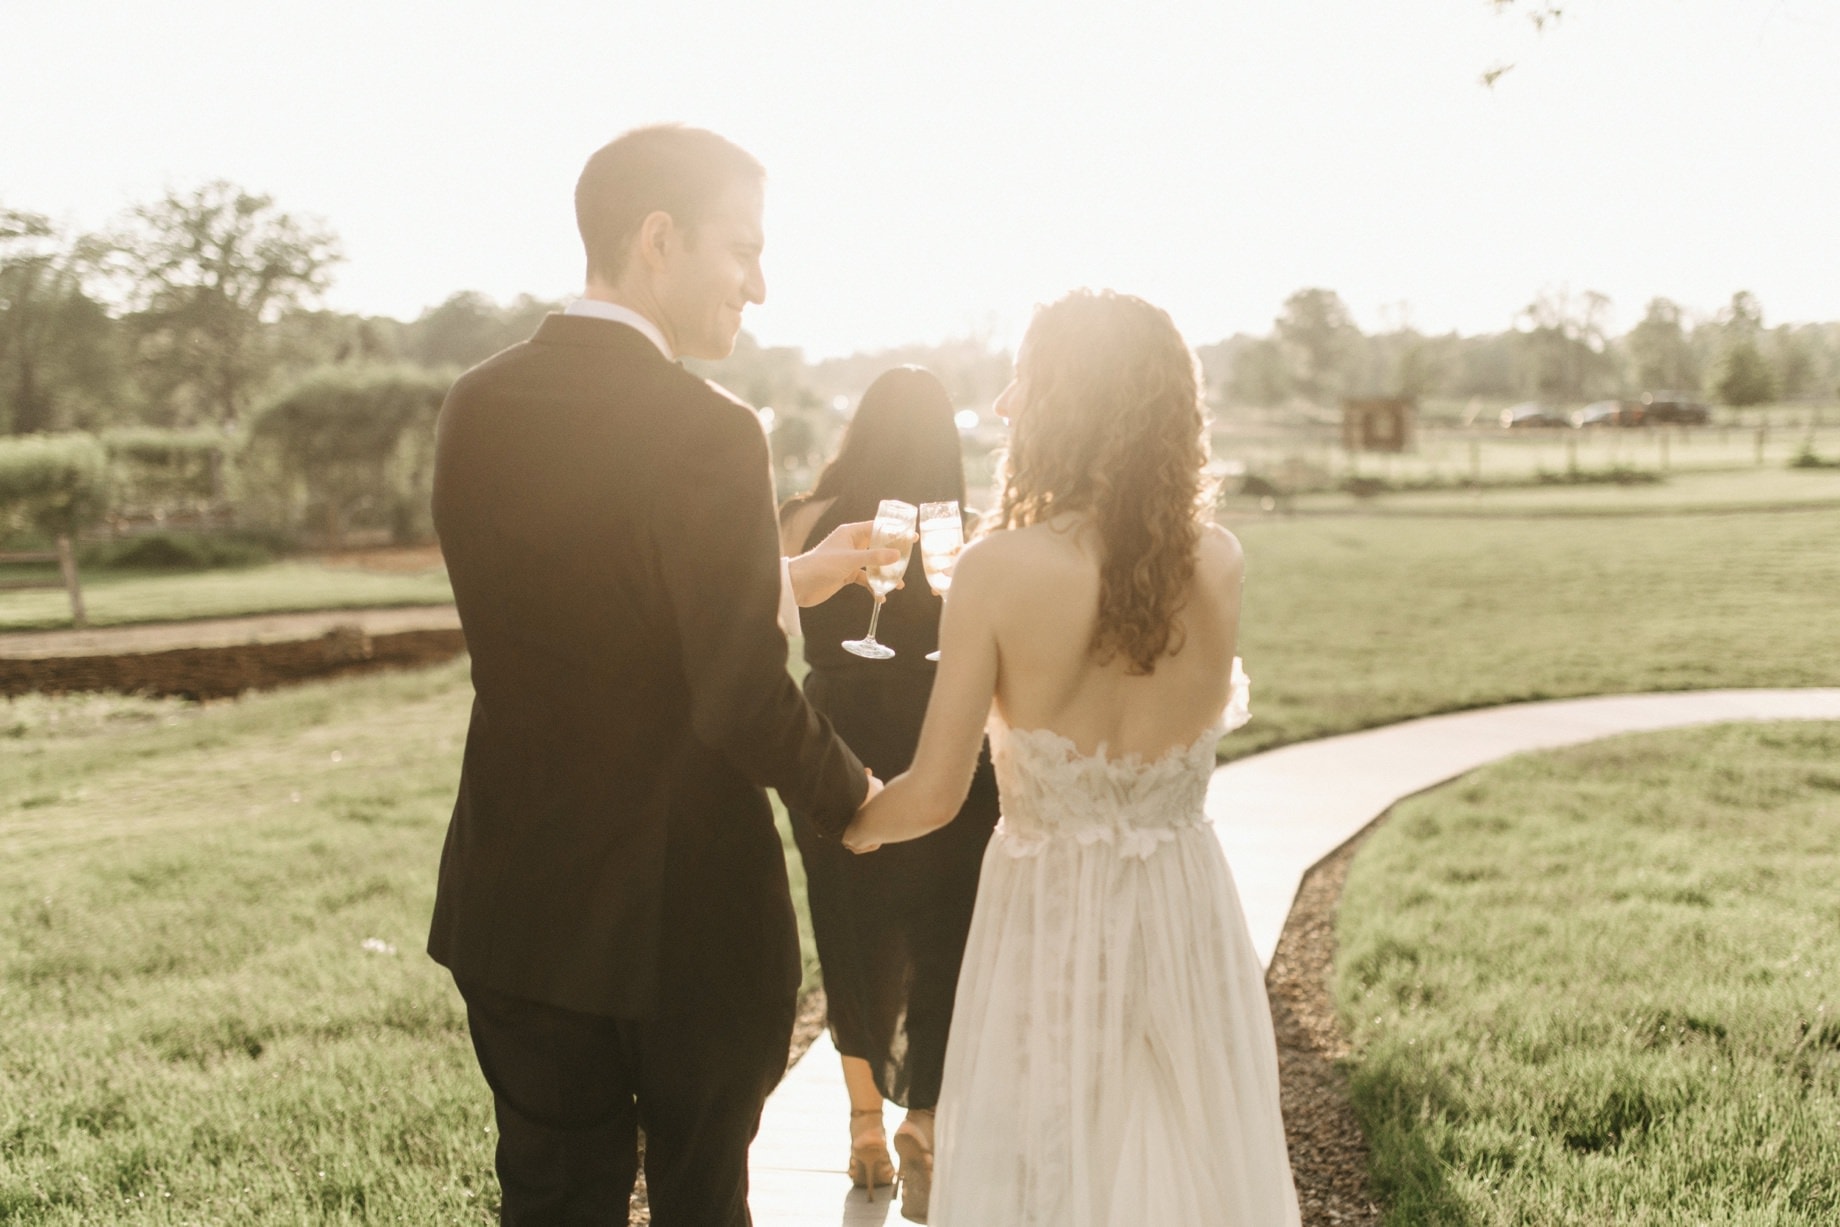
(875, 617)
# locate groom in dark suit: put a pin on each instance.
(613, 900)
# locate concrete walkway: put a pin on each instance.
(1277, 814)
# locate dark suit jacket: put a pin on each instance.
(608, 524)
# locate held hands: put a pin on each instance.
(875, 788)
(892, 815)
(820, 572)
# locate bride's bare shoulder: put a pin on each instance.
(1017, 558)
(1221, 548)
(1220, 562)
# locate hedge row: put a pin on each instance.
(51, 484)
(345, 449)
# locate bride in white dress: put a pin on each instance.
(1111, 1061)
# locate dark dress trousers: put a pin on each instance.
(613, 900)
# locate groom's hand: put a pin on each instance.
(820, 572)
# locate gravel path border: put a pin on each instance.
(1329, 1153)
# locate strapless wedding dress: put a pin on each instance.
(1111, 1061)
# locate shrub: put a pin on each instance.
(1808, 458)
(51, 484)
(177, 551)
(347, 448)
(164, 472)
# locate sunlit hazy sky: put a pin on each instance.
(936, 168)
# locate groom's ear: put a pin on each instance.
(652, 243)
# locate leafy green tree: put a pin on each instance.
(301, 340)
(1319, 341)
(766, 377)
(60, 364)
(206, 272)
(1256, 373)
(1794, 357)
(1659, 350)
(1744, 377)
(1743, 316)
(1564, 347)
(469, 328)
(346, 448)
(1417, 367)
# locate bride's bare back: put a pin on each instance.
(1041, 611)
(1015, 643)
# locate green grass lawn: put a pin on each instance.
(1360, 621)
(1602, 985)
(115, 598)
(195, 1031)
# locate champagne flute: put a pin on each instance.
(942, 536)
(894, 528)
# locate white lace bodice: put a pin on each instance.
(1051, 790)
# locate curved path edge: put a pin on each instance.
(1278, 814)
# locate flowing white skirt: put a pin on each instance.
(1111, 1061)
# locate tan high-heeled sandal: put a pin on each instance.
(913, 1141)
(870, 1166)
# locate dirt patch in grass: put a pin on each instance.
(223, 671)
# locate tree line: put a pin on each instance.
(1560, 349)
(191, 310)
(194, 309)
(177, 363)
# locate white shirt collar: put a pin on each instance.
(602, 310)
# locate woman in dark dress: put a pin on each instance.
(890, 926)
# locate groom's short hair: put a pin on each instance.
(680, 170)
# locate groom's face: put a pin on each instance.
(713, 274)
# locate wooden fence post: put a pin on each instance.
(67, 563)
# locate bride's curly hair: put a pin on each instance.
(1111, 426)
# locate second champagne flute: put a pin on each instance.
(894, 528)
(942, 536)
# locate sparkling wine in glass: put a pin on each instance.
(894, 528)
(942, 536)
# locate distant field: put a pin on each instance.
(1598, 986)
(115, 598)
(1352, 622)
(1723, 491)
(1453, 456)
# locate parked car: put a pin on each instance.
(1531, 415)
(1610, 413)
(1674, 409)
